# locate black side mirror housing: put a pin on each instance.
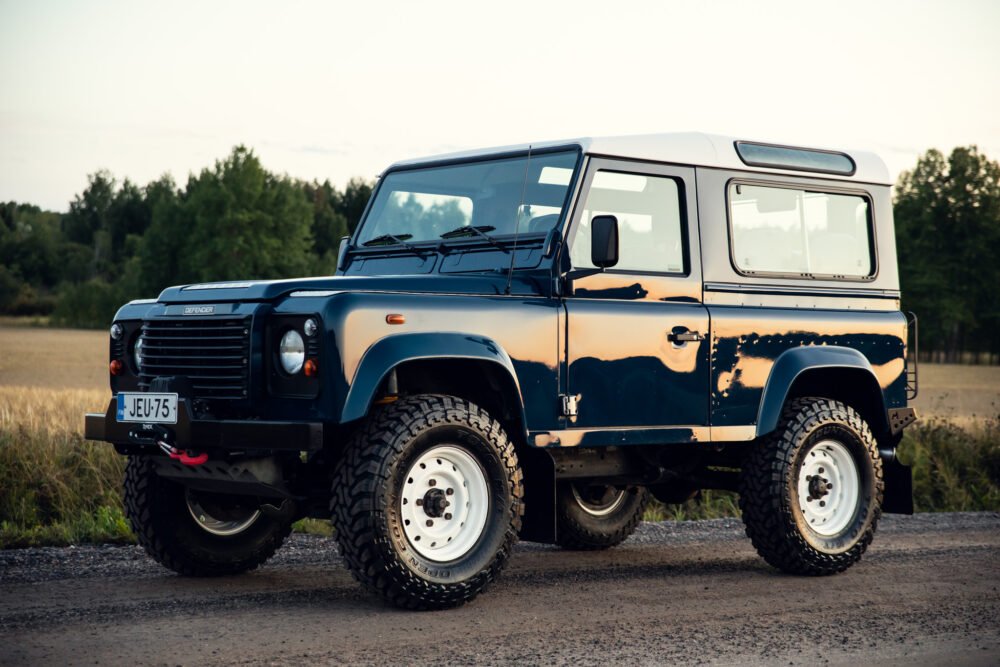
(345, 245)
(604, 241)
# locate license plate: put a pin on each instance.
(147, 408)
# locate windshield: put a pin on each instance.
(422, 204)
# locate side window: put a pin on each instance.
(649, 222)
(801, 232)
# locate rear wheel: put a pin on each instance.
(427, 502)
(597, 516)
(197, 533)
(811, 492)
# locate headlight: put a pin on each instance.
(310, 327)
(292, 352)
(137, 353)
(116, 331)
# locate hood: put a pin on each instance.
(268, 290)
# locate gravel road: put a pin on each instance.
(925, 593)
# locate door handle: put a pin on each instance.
(680, 337)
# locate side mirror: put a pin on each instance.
(345, 245)
(604, 241)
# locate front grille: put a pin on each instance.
(213, 353)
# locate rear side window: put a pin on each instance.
(790, 231)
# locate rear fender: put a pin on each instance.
(792, 364)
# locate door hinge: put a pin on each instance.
(569, 405)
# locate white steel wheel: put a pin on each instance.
(444, 503)
(225, 522)
(599, 500)
(828, 488)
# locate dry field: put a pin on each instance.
(50, 377)
(53, 358)
(960, 394)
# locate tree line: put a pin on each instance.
(235, 220)
(119, 241)
(947, 212)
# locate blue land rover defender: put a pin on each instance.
(529, 342)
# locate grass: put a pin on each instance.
(955, 468)
(707, 504)
(57, 488)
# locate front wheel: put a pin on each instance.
(811, 492)
(427, 502)
(196, 533)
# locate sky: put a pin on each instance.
(329, 90)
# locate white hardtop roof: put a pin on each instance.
(689, 148)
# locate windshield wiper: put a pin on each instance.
(473, 230)
(391, 239)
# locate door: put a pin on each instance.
(637, 348)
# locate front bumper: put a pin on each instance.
(204, 434)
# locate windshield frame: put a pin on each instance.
(461, 243)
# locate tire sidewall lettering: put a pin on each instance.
(483, 552)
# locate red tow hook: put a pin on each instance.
(192, 460)
(186, 457)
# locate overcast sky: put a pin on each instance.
(325, 90)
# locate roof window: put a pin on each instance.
(799, 159)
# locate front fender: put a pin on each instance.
(387, 353)
(790, 364)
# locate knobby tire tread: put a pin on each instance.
(575, 535)
(142, 490)
(764, 498)
(365, 467)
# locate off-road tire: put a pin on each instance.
(579, 530)
(769, 499)
(161, 521)
(367, 489)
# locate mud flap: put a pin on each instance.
(539, 523)
(898, 496)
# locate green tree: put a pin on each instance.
(947, 213)
(242, 221)
(122, 241)
(30, 240)
(157, 259)
(329, 225)
(128, 218)
(87, 222)
(353, 201)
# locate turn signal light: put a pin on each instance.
(116, 367)
(395, 318)
(311, 368)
